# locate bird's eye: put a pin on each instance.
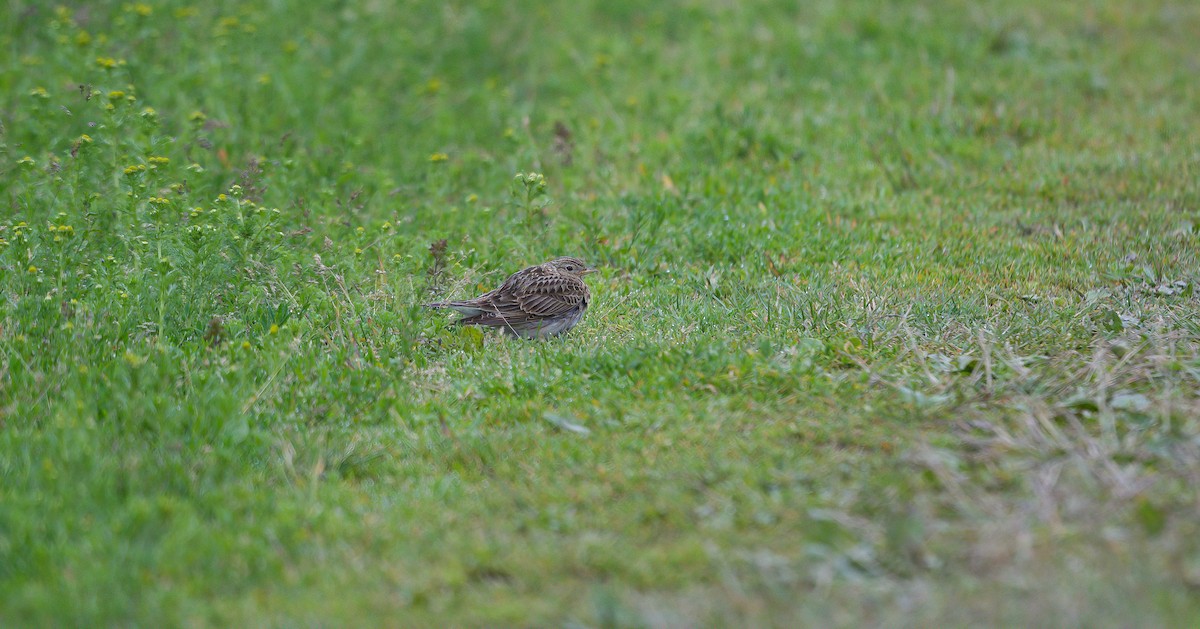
(570, 267)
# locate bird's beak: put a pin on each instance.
(588, 271)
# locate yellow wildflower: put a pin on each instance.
(438, 157)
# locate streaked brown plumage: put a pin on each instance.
(537, 302)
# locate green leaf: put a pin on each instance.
(1151, 517)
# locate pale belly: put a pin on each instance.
(552, 327)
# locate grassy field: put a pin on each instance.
(896, 324)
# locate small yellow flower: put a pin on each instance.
(433, 86)
(357, 251)
(159, 161)
(274, 329)
(108, 63)
(135, 169)
(438, 157)
(85, 139)
(83, 38)
(33, 269)
(222, 198)
(26, 161)
(245, 344)
(39, 92)
(197, 117)
(472, 198)
(386, 226)
(149, 112)
(141, 9)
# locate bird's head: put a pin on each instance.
(570, 266)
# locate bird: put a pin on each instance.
(541, 301)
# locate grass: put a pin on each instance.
(896, 323)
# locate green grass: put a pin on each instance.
(896, 323)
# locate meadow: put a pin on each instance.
(896, 322)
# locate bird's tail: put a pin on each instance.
(463, 308)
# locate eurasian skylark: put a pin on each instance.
(537, 302)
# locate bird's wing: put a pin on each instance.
(551, 295)
(533, 298)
